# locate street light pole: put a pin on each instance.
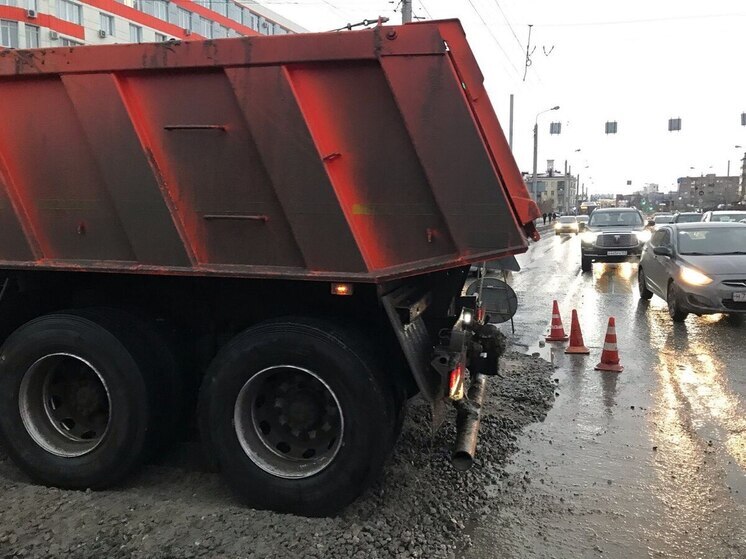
(406, 11)
(536, 148)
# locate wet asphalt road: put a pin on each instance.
(650, 462)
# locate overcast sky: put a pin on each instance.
(639, 62)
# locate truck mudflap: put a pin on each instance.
(466, 354)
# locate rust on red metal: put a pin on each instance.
(360, 156)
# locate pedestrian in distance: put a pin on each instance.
(544, 217)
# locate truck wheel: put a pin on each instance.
(299, 420)
(163, 372)
(74, 402)
(586, 264)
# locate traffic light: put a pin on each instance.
(611, 127)
(674, 124)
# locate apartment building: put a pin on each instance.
(61, 23)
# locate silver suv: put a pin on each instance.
(613, 235)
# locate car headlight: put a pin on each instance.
(588, 237)
(643, 236)
(693, 277)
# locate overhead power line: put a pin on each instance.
(635, 21)
(510, 26)
(494, 37)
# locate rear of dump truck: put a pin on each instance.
(263, 239)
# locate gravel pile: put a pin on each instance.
(421, 508)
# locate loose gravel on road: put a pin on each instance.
(421, 508)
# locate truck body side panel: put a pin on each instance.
(360, 156)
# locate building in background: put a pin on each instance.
(709, 191)
(555, 191)
(62, 23)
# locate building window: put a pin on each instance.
(107, 24)
(9, 34)
(65, 42)
(160, 38)
(160, 9)
(32, 36)
(205, 28)
(234, 12)
(30, 5)
(135, 34)
(250, 20)
(70, 11)
(219, 31)
(183, 18)
(219, 6)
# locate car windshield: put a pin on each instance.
(688, 218)
(663, 219)
(583, 218)
(720, 240)
(734, 217)
(567, 219)
(615, 219)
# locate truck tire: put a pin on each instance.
(163, 372)
(297, 416)
(74, 401)
(586, 263)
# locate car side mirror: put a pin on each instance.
(663, 251)
(651, 223)
(581, 226)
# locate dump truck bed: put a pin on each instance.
(361, 156)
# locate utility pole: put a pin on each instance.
(406, 11)
(536, 152)
(510, 129)
(536, 149)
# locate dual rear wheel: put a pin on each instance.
(299, 415)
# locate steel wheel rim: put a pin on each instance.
(288, 421)
(65, 405)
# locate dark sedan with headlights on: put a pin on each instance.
(612, 235)
(696, 268)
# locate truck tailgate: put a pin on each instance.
(364, 156)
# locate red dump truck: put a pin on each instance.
(262, 239)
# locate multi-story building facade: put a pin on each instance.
(51, 23)
(555, 192)
(708, 191)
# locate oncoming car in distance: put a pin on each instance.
(696, 268)
(567, 224)
(612, 235)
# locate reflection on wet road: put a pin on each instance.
(647, 463)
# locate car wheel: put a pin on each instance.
(300, 418)
(586, 264)
(645, 293)
(674, 309)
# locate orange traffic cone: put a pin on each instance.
(610, 355)
(576, 337)
(557, 333)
